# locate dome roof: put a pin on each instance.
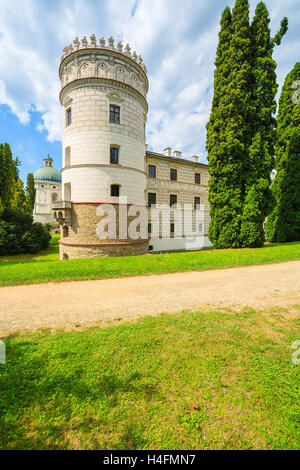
(47, 173)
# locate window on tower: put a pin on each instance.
(67, 156)
(114, 114)
(114, 155)
(115, 190)
(69, 116)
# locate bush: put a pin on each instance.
(18, 234)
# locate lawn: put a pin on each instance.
(217, 380)
(45, 266)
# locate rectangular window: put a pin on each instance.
(197, 178)
(115, 190)
(173, 174)
(69, 116)
(151, 199)
(172, 228)
(114, 114)
(152, 171)
(114, 156)
(173, 200)
(149, 228)
(197, 203)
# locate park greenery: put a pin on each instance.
(241, 132)
(18, 233)
(46, 267)
(193, 380)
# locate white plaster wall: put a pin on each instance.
(90, 137)
(93, 184)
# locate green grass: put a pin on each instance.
(45, 267)
(135, 386)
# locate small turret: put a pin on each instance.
(48, 161)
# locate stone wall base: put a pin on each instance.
(102, 251)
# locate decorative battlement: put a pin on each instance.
(84, 44)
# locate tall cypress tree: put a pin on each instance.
(241, 131)
(30, 193)
(283, 224)
(7, 172)
(260, 159)
(228, 131)
(215, 129)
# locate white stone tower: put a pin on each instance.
(104, 104)
(47, 183)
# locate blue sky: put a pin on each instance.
(176, 39)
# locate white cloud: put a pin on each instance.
(176, 39)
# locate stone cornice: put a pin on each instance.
(97, 81)
(101, 165)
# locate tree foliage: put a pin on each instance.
(283, 224)
(18, 233)
(241, 130)
(30, 193)
(19, 199)
(7, 174)
(226, 134)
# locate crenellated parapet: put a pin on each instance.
(90, 60)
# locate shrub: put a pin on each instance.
(18, 234)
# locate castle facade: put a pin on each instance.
(106, 163)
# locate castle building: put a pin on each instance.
(106, 161)
(47, 183)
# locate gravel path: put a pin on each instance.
(71, 305)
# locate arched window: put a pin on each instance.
(65, 231)
(67, 156)
(115, 190)
(54, 197)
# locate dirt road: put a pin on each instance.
(71, 305)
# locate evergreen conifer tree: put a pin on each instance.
(30, 193)
(228, 131)
(283, 224)
(241, 131)
(260, 158)
(7, 172)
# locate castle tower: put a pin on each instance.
(47, 183)
(104, 106)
